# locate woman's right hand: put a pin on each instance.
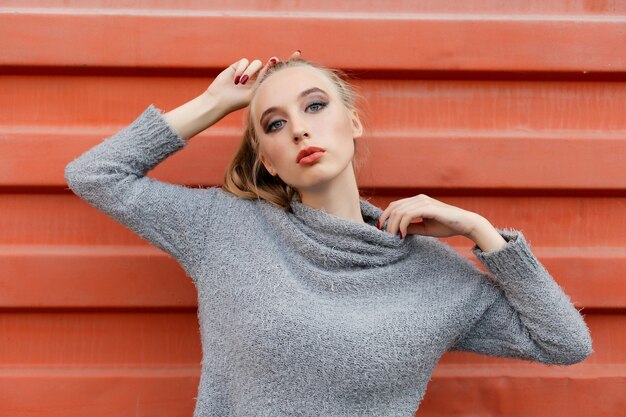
(231, 96)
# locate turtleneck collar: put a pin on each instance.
(336, 243)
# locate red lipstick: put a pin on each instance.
(309, 155)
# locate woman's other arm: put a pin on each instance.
(524, 314)
(529, 316)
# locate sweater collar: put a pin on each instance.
(336, 243)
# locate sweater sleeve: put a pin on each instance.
(531, 317)
(111, 177)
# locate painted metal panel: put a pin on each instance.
(514, 110)
(436, 42)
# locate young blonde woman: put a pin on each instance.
(311, 300)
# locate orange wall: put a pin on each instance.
(515, 110)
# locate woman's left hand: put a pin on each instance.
(437, 219)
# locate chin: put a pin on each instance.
(315, 178)
(311, 183)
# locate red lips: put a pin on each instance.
(308, 151)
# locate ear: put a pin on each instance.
(268, 166)
(357, 127)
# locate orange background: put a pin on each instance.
(515, 110)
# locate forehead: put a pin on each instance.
(285, 86)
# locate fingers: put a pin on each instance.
(438, 218)
(409, 218)
(240, 66)
(399, 214)
(273, 60)
(246, 71)
(296, 54)
(393, 215)
(400, 220)
(267, 66)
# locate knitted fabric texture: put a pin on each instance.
(303, 313)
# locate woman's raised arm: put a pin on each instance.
(112, 175)
(225, 94)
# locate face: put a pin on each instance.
(304, 110)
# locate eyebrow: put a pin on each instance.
(302, 94)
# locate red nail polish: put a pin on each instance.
(273, 61)
(237, 79)
(378, 224)
(244, 79)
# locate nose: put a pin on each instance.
(299, 130)
(300, 136)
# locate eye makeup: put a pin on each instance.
(318, 102)
(300, 96)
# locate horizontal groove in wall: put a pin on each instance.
(583, 9)
(526, 369)
(520, 397)
(131, 371)
(358, 73)
(99, 396)
(153, 338)
(175, 396)
(149, 252)
(145, 277)
(512, 370)
(99, 338)
(590, 222)
(393, 160)
(436, 44)
(102, 105)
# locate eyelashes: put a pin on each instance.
(322, 104)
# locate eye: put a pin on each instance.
(270, 127)
(318, 104)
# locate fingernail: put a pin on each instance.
(299, 51)
(244, 79)
(401, 235)
(273, 61)
(378, 224)
(237, 79)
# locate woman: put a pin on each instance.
(312, 301)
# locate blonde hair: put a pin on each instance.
(247, 177)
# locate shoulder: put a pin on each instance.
(222, 204)
(219, 195)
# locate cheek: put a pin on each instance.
(344, 125)
(276, 155)
(344, 132)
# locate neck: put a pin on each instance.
(339, 197)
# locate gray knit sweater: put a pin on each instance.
(303, 313)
